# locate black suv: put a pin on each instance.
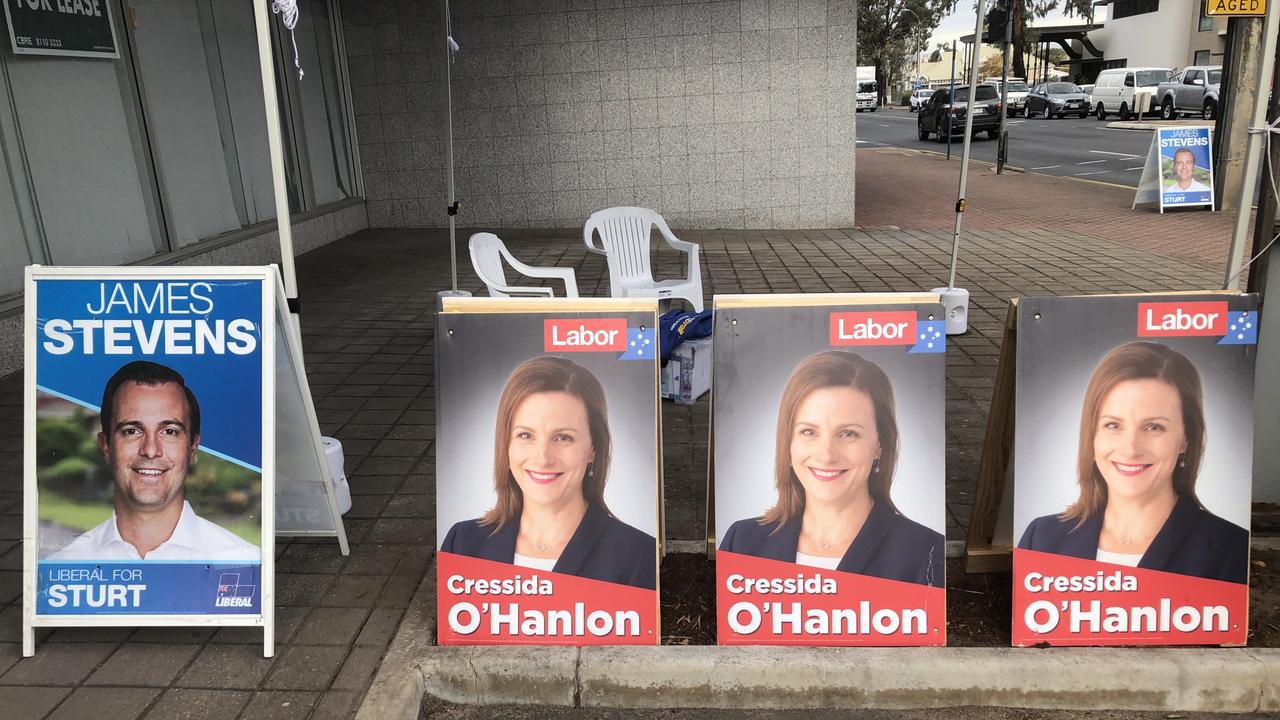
(941, 112)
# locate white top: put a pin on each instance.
(547, 564)
(826, 563)
(193, 538)
(1195, 186)
(1115, 558)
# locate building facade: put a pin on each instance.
(1157, 33)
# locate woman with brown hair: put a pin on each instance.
(834, 458)
(551, 461)
(1142, 437)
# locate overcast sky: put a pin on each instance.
(961, 22)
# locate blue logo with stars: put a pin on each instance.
(1242, 328)
(642, 344)
(931, 337)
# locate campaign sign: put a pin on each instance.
(1186, 166)
(147, 400)
(546, 533)
(828, 423)
(1133, 469)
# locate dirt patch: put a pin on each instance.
(979, 606)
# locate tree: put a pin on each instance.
(890, 30)
(939, 52)
(991, 67)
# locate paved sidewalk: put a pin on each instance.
(368, 326)
(910, 189)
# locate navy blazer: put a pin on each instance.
(602, 548)
(888, 546)
(1193, 541)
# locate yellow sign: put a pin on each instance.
(1235, 8)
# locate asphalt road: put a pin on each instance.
(1070, 147)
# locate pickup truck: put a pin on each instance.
(1194, 90)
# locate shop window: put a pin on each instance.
(1129, 8)
(1201, 58)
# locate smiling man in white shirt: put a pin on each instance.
(150, 435)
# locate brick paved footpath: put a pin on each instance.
(368, 328)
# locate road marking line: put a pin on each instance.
(884, 124)
(1140, 167)
(1100, 172)
(1046, 167)
(1123, 155)
(1091, 162)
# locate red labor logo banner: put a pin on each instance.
(1064, 600)
(584, 335)
(768, 602)
(1182, 319)
(893, 327)
(482, 602)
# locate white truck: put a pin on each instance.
(868, 93)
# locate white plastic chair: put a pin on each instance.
(624, 241)
(487, 254)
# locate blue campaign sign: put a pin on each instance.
(1186, 166)
(148, 588)
(149, 437)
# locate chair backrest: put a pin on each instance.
(624, 236)
(486, 259)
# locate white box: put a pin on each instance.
(687, 375)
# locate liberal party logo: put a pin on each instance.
(891, 327)
(231, 593)
(563, 335)
(1198, 319)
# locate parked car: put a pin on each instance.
(1087, 89)
(1056, 99)
(918, 97)
(1194, 90)
(1127, 91)
(941, 107)
(1017, 97)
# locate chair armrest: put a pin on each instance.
(673, 241)
(564, 274)
(588, 231)
(520, 291)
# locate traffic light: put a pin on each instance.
(997, 20)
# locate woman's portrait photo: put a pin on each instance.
(1141, 447)
(553, 454)
(836, 452)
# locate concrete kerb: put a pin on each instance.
(1168, 680)
(1157, 679)
(1150, 125)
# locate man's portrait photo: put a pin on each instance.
(144, 478)
(1184, 169)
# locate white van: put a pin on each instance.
(1116, 88)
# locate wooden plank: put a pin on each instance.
(997, 447)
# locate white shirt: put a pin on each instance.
(1195, 186)
(193, 538)
(546, 564)
(1116, 558)
(826, 563)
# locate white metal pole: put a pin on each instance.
(275, 149)
(968, 142)
(1253, 151)
(448, 115)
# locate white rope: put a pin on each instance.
(288, 12)
(1268, 132)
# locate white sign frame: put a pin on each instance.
(293, 350)
(30, 525)
(1150, 185)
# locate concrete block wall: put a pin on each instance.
(725, 114)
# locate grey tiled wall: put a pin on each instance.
(732, 114)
